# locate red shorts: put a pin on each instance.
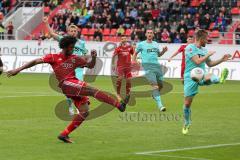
(72, 89)
(124, 72)
(182, 71)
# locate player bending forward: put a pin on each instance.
(123, 68)
(149, 53)
(64, 64)
(198, 56)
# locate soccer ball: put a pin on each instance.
(197, 74)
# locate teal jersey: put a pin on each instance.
(149, 54)
(190, 51)
(79, 48)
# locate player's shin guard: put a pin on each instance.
(128, 87)
(187, 115)
(76, 122)
(119, 84)
(103, 97)
(157, 98)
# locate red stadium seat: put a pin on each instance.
(225, 41)
(128, 32)
(231, 29)
(84, 31)
(106, 31)
(91, 31)
(235, 11)
(228, 35)
(191, 32)
(114, 39)
(106, 38)
(113, 32)
(214, 34)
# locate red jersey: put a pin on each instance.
(64, 66)
(182, 50)
(124, 55)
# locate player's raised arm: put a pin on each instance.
(92, 63)
(198, 60)
(163, 51)
(50, 30)
(174, 54)
(225, 57)
(25, 66)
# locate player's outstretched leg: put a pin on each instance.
(76, 122)
(104, 97)
(213, 79)
(75, 89)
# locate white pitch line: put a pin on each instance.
(188, 148)
(181, 157)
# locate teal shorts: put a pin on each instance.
(79, 73)
(154, 77)
(190, 87)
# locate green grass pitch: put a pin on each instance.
(29, 126)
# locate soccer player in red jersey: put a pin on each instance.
(122, 57)
(64, 65)
(182, 50)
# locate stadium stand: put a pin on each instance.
(172, 20)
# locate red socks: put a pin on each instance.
(119, 84)
(103, 97)
(76, 122)
(128, 87)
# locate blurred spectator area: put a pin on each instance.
(172, 20)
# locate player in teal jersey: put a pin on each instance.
(198, 56)
(149, 53)
(79, 49)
